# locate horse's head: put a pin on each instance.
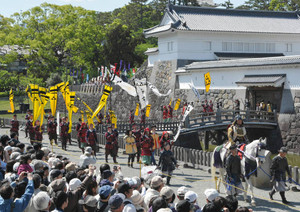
(261, 149)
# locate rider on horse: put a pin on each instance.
(237, 132)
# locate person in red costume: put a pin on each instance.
(170, 113)
(165, 138)
(110, 146)
(82, 136)
(64, 135)
(38, 132)
(14, 125)
(91, 138)
(137, 133)
(147, 145)
(131, 117)
(52, 125)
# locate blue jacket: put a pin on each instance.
(19, 204)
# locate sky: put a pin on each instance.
(9, 7)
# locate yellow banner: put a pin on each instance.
(170, 102)
(89, 118)
(28, 93)
(106, 92)
(89, 108)
(113, 118)
(53, 99)
(11, 102)
(82, 115)
(43, 101)
(207, 81)
(137, 109)
(177, 104)
(148, 108)
(35, 101)
(71, 108)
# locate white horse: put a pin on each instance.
(253, 156)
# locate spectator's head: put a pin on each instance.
(40, 155)
(159, 203)
(6, 191)
(70, 175)
(125, 189)
(184, 206)
(55, 174)
(89, 203)
(61, 200)
(70, 167)
(41, 201)
(91, 126)
(137, 198)
(211, 194)
(37, 146)
(231, 203)
(21, 146)
(210, 207)
(220, 202)
(104, 167)
(191, 196)
(138, 184)
(4, 139)
(116, 203)
(243, 209)
(8, 149)
(38, 165)
(14, 135)
(181, 191)
(59, 165)
(20, 189)
(25, 159)
(46, 151)
(108, 175)
(105, 192)
(10, 165)
(14, 155)
(74, 184)
(36, 181)
(57, 185)
(157, 183)
(167, 193)
(129, 132)
(88, 150)
(92, 188)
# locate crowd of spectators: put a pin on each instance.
(34, 179)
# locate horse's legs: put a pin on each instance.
(252, 193)
(246, 189)
(222, 172)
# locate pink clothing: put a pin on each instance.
(24, 168)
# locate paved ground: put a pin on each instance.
(196, 179)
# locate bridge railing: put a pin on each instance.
(227, 116)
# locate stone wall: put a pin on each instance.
(289, 125)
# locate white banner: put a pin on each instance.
(125, 86)
(188, 109)
(156, 91)
(141, 89)
(195, 90)
(177, 134)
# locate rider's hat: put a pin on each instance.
(238, 117)
(283, 149)
(233, 146)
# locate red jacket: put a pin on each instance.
(138, 135)
(111, 140)
(52, 127)
(14, 126)
(82, 134)
(91, 137)
(170, 112)
(147, 144)
(64, 128)
(38, 133)
(165, 114)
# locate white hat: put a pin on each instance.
(181, 191)
(190, 196)
(137, 198)
(14, 155)
(41, 200)
(164, 210)
(88, 150)
(8, 148)
(211, 194)
(74, 184)
(166, 192)
(16, 166)
(45, 150)
(156, 181)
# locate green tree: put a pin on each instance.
(256, 5)
(284, 5)
(227, 4)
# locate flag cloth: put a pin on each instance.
(188, 109)
(82, 115)
(53, 99)
(137, 109)
(207, 81)
(194, 90)
(156, 91)
(88, 107)
(113, 118)
(148, 108)
(35, 101)
(43, 101)
(89, 118)
(106, 92)
(177, 134)
(177, 104)
(125, 86)
(11, 102)
(141, 89)
(71, 108)
(28, 93)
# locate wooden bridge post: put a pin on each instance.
(206, 140)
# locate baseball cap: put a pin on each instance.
(182, 190)
(105, 191)
(190, 196)
(211, 194)
(115, 201)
